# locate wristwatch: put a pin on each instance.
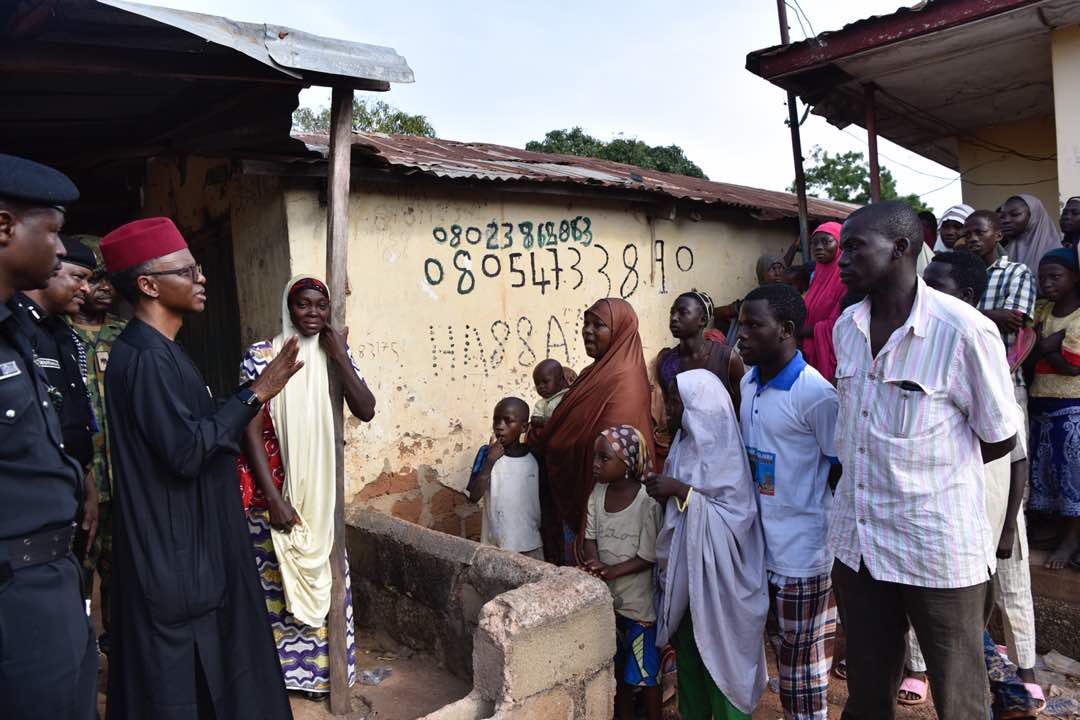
(247, 397)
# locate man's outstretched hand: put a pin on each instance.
(272, 380)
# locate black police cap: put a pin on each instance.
(78, 254)
(30, 183)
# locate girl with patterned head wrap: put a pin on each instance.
(951, 226)
(287, 481)
(1028, 229)
(614, 390)
(823, 300)
(620, 547)
(711, 589)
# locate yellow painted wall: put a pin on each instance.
(440, 349)
(1065, 53)
(1035, 137)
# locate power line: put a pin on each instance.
(803, 13)
(1012, 184)
(892, 160)
(798, 19)
(971, 169)
(973, 139)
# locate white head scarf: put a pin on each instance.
(304, 423)
(710, 558)
(957, 213)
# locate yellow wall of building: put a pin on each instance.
(448, 314)
(1065, 53)
(990, 176)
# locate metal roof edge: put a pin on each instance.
(284, 49)
(874, 32)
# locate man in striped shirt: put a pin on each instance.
(925, 400)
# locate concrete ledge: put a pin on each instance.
(471, 707)
(555, 704)
(543, 634)
(1057, 614)
(537, 641)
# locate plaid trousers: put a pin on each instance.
(802, 627)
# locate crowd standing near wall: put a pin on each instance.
(878, 378)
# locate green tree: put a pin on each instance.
(669, 158)
(367, 116)
(846, 177)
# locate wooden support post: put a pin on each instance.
(337, 255)
(796, 148)
(871, 141)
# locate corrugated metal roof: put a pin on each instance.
(283, 48)
(484, 161)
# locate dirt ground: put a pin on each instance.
(416, 685)
(769, 707)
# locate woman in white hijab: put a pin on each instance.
(287, 481)
(710, 556)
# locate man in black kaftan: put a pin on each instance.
(190, 638)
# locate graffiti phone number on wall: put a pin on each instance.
(542, 255)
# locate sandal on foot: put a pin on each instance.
(1036, 692)
(912, 686)
(840, 669)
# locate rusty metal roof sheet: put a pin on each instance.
(483, 161)
(286, 50)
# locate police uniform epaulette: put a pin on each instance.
(32, 183)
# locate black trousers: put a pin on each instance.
(48, 657)
(949, 624)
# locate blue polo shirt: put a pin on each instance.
(788, 425)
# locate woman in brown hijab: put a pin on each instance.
(614, 390)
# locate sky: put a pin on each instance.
(508, 71)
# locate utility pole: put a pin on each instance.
(337, 255)
(871, 142)
(796, 146)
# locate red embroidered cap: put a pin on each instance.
(139, 241)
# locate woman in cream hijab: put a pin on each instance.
(287, 476)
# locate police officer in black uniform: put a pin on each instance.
(57, 351)
(48, 660)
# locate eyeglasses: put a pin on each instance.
(192, 272)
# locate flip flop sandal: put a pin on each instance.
(840, 669)
(1036, 692)
(913, 686)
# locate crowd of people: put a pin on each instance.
(874, 457)
(854, 444)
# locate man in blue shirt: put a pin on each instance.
(788, 418)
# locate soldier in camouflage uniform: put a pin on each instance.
(97, 326)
